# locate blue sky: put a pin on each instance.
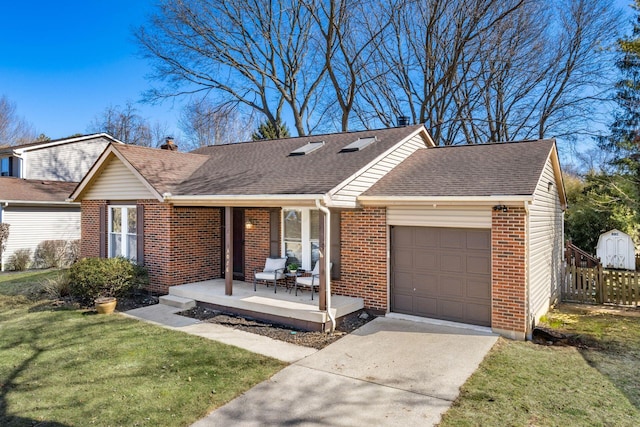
(62, 63)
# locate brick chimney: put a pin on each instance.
(169, 144)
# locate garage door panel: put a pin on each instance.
(425, 284)
(451, 238)
(478, 314)
(426, 306)
(403, 259)
(403, 303)
(480, 240)
(451, 286)
(477, 289)
(478, 264)
(451, 310)
(425, 238)
(449, 276)
(452, 262)
(425, 260)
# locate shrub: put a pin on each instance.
(92, 278)
(4, 236)
(72, 254)
(50, 253)
(58, 286)
(20, 260)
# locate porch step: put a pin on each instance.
(178, 302)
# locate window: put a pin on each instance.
(123, 238)
(301, 232)
(5, 166)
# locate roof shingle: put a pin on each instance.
(512, 168)
(27, 190)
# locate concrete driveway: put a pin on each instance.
(389, 372)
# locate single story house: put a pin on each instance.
(35, 181)
(470, 234)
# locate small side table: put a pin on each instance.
(292, 276)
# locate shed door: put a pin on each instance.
(443, 273)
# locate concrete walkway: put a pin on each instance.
(390, 372)
(166, 316)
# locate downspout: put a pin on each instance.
(529, 317)
(327, 260)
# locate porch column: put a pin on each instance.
(228, 250)
(322, 297)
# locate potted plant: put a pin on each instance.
(293, 268)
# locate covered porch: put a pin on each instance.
(283, 307)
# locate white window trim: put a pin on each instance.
(305, 238)
(123, 232)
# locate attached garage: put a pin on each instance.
(442, 273)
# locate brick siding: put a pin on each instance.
(363, 260)
(508, 272)
(90, 228)
(181, 245)
(256, 241)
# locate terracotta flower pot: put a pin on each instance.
(105, 305)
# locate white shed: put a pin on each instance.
(616, 250)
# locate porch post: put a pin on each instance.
(228, 250)
(322, 297)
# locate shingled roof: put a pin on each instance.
(468, 170)
(163, 169)
(33, 190)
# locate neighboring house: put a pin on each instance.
(469, 233)
(35, 181)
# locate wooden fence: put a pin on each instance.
(596, 285)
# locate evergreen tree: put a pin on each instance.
(624, 138)
(269, 130)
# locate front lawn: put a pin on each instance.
(525, 384)
(75, 368)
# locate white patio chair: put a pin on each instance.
(312, 280)
(272, 272)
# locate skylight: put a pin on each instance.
(307, 148)
(360, 144)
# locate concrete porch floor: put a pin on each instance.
(281, 307)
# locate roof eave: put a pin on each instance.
(254, 200)
(4, 203)
(443, 200)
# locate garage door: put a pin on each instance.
(443, 273)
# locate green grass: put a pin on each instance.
(524, 384)
(76, 368)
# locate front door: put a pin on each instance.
(238, 244)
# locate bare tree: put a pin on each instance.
(252, 51)
(205, 123)
(127, 125)
(14, 130)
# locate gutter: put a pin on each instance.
(449, 200)
(327, 260)
(258, 200)
(67, 202)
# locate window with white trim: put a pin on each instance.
(123, 238)
(301, 232)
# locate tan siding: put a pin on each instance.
(361, 183)
(545, 245)
(117, 182)
(28, 226)
(66, 162)
(445, 216)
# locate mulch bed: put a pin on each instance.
(316, 340)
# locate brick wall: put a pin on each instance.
(508, 271)
(257, 241)
(181, 244)
(363, 247)
(90, 228)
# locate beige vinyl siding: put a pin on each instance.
(65, 162)
(28, 226)
(545, 245)
(440, 216)
(117, 182)
(347, 194)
